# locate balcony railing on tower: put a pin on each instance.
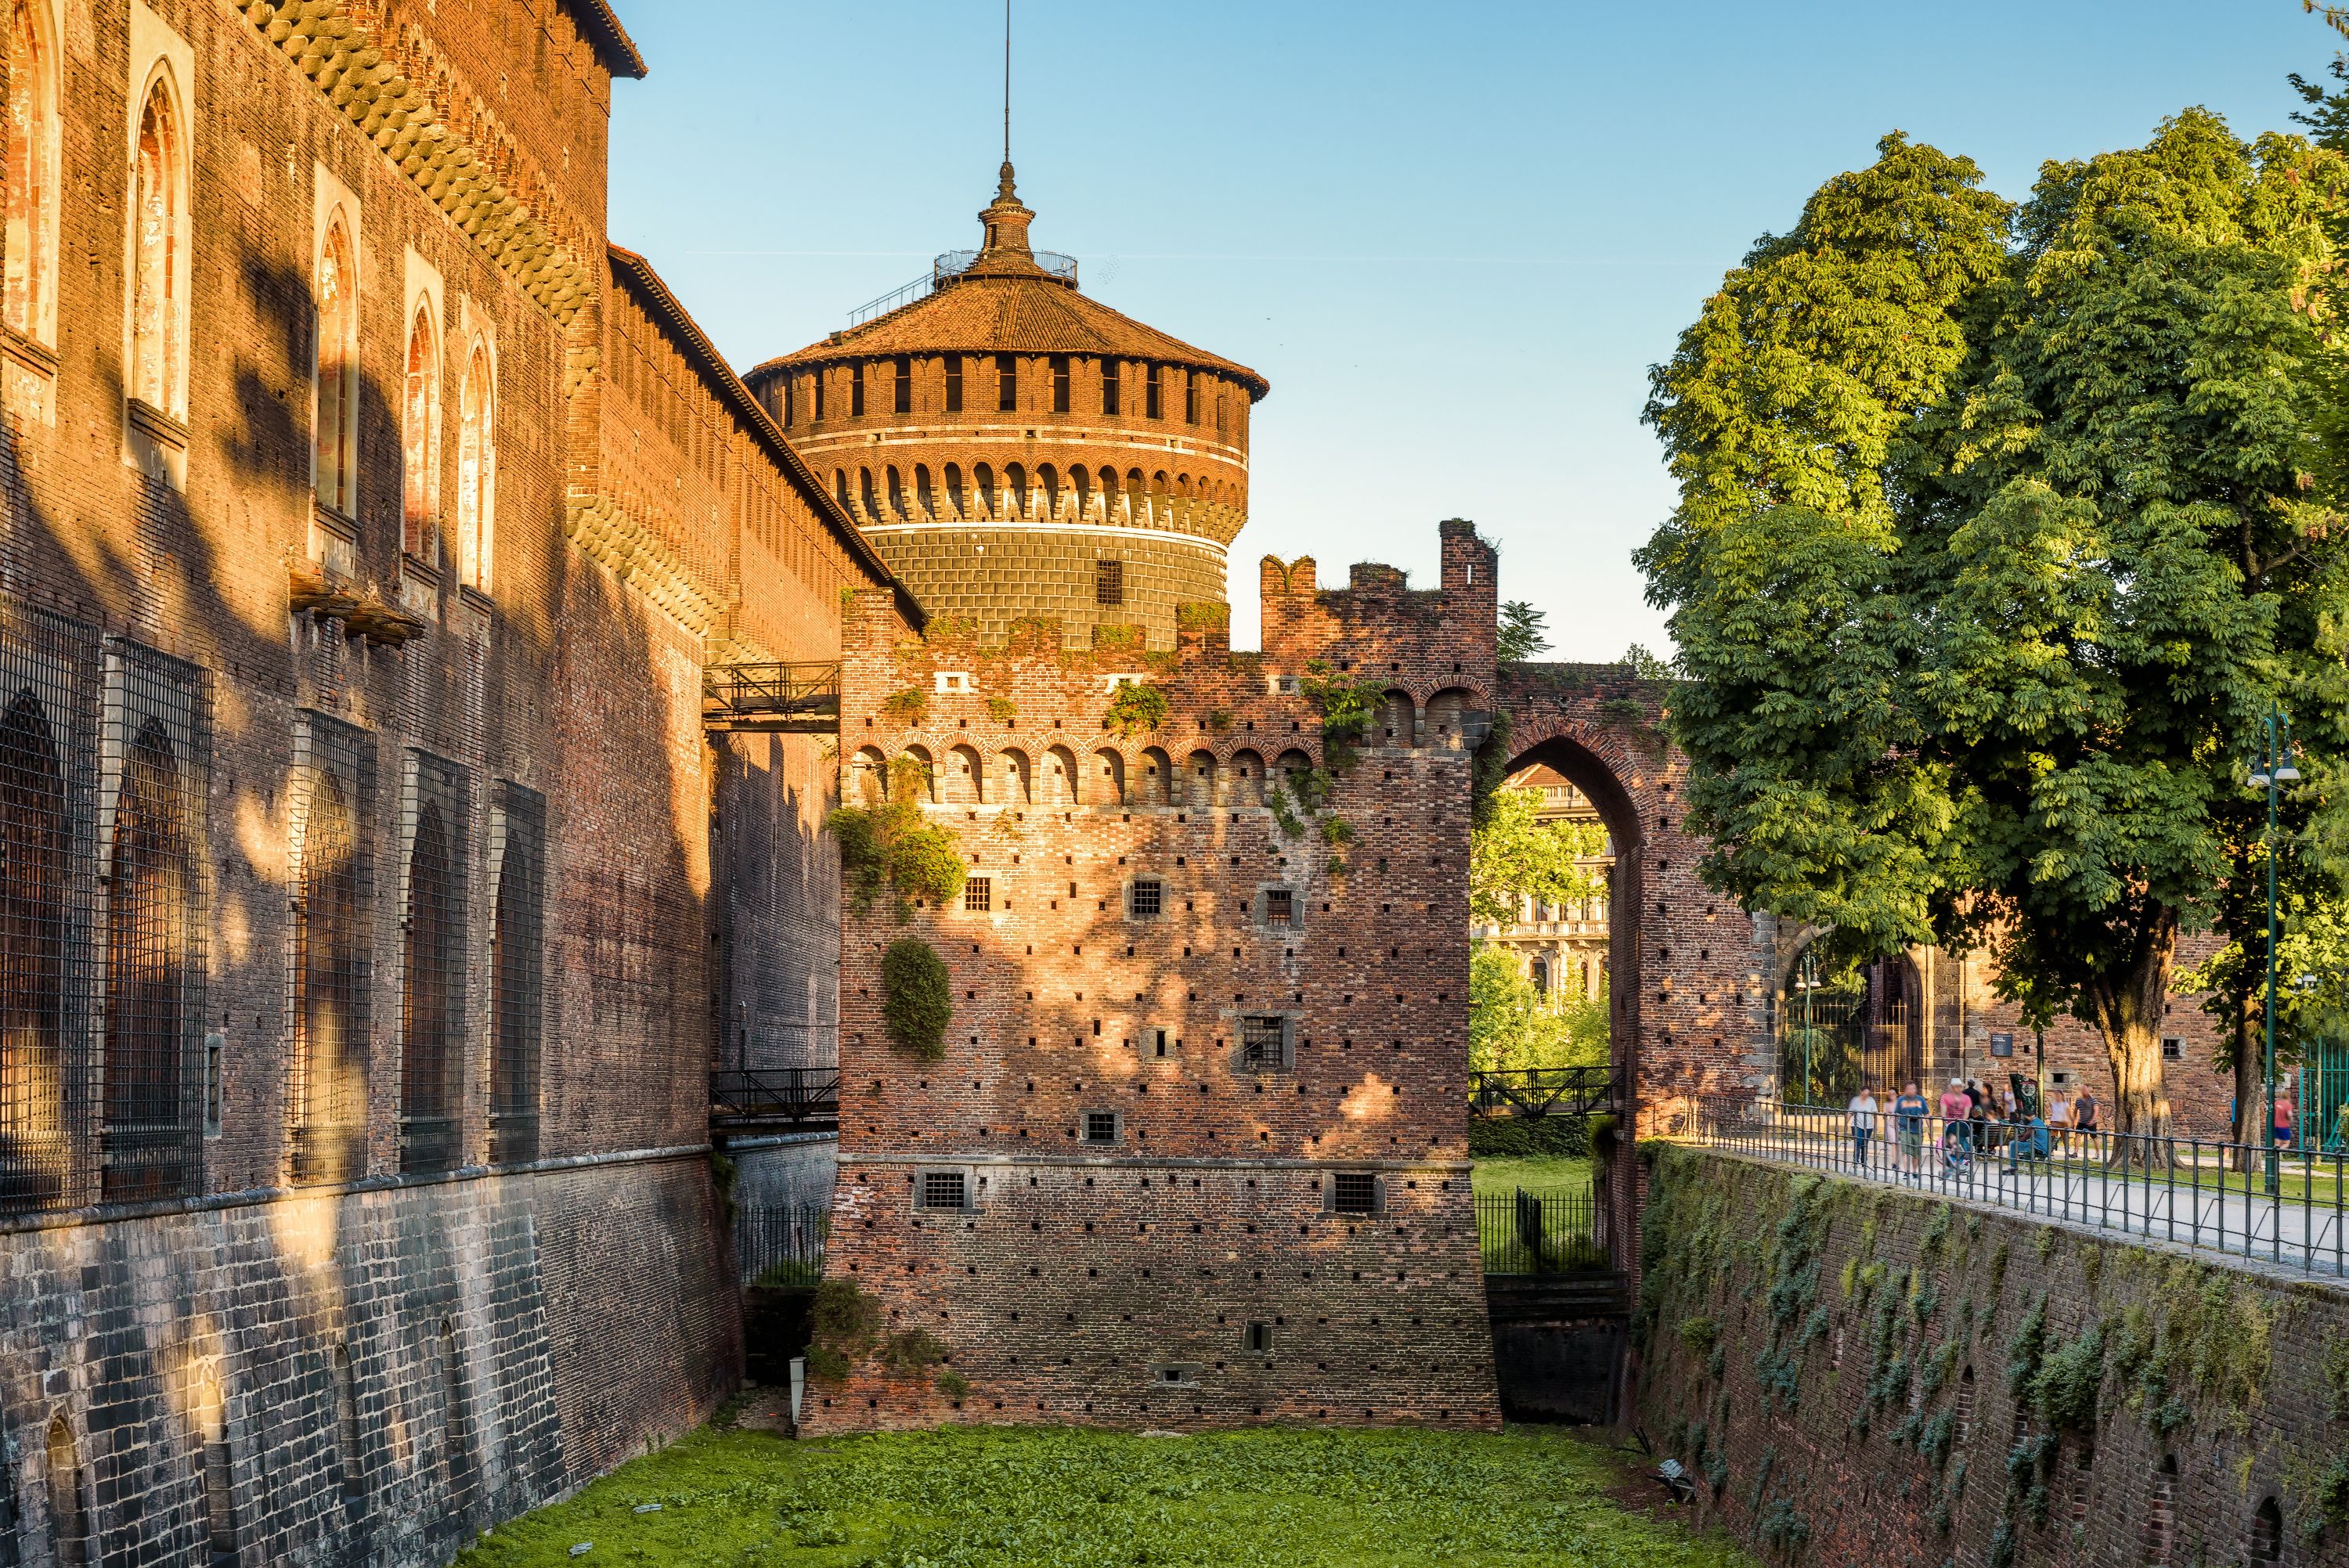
(793, 699)
(947, 267)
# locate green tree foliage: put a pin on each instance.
(1514, 856)
(1645, 664)
(916, 997)
(1509, 1028)
(1988, 562)
(1524, 632)
(886, 843)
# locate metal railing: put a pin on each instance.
(802, 698)
(2285, 1206)
(946, 267)
(781, 1244)
(802, 1098)
(1542, 1091)
(1540, 1232)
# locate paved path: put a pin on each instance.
(2194, 1205)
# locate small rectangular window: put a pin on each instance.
(1060, 384)
(2173, 1048)
(945, 1189)
(979, 895)
(1148, 899)
(1006, 383)
(818, 378)
(1110, 389)
(1190, 397)
(1153, 402)
(954, 383)
(1258, 1339)
(215, 1047)
(1279, 906)
(904, 403)
(1357, 1192)
(1159, 1038)
(1109, 582)
(1263, 1042)
(1101, 1127)
(855, 390)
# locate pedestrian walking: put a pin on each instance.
(1863, 1108)
(2085, 1114)
(2282, 1131)
(2059, 1118)
(1956, 1106)
(1909, 1113)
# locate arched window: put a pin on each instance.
(35, 848)
(985, 478)
(1047, 478)
(957, 502)
(477, 465)
(329, 1059)
(897, 508)
(419, 466)
(2267, 1533)
(32, 233)
(335, 395)
(516, 943)
(428, 1133)
(840, 491)
(1541, 977)
(158, 218)
(1015, 490)
(1111, 765)
(68, 1523)
(149, 888)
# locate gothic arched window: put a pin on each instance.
(420, 467)
(516, 942)
(337, 392)
(149, 923)
(158, 218)
(476, 471)
(32, 213)
(329, 1057)
(35, 854)
(427, 1003)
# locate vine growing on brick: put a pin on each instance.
(917, 998)
(886, 844)
(1137, 707)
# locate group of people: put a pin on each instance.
(1968, 1112)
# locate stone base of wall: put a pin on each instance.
(1375, 1319)
(392, 1366)
(1864, 1374)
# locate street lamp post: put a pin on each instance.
(2274, 769)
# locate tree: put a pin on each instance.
(1515, 856)
(1988, 565)
(1509, 1028)
(1645, 664)
(1524, 632)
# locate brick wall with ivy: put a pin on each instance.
(1862, 1374)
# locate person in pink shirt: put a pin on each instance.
(1956, 1106)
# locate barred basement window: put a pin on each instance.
(1109, 581)
(979, 895)
(1006, 383)
(945, 1189)
(1258, 1339)
(47, 822)
(1110, 388)
(432, 967)
(335, 771)
(1355, 1193)
(902, 401)
(954, 383)
(1060, 384)
(1101, 1127)
(1147, 898)
(1279, 906)
(1264, 1044)
(517, 958)
(155, 761)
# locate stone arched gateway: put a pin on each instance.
(1690, 974)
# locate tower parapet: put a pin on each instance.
(1014, 447)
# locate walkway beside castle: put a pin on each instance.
(2207, 1196)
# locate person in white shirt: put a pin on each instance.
(1863, 1124)
(2059, 1117)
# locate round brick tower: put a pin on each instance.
(1014, 448)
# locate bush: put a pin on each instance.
(887, 844)
(844, 1325)
(1137, 707)
(1522, 1136)
(917, 998)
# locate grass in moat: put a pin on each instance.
(1010, 1497)
(1497, 1178)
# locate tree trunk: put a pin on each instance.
(2126, 1004)
(2250, 1101)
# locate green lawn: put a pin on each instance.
(980, 1497)
(1535, 1173)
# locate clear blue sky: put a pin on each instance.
(1453, 237)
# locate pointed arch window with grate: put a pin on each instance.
(517, 954)
(154, 766)
(48, 717)
(334, 768)
(433, 820)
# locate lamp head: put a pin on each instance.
(2258, 781)
(2287, 774)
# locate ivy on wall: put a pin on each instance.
(917, 998)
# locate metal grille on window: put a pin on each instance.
(979, 895)
(48, 702)
(332, 885)
(942, 1189)
(1109, 581)
(1357, 1192)
(1101, 1127)
(516, 967)
(1148, 895)
(432, 965)
(1260, 1044)
(152, 799)
(1279, 906)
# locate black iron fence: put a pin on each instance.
(781, 1244)
(1524, 1232)
(2287, 1206)
(1542, 1091)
